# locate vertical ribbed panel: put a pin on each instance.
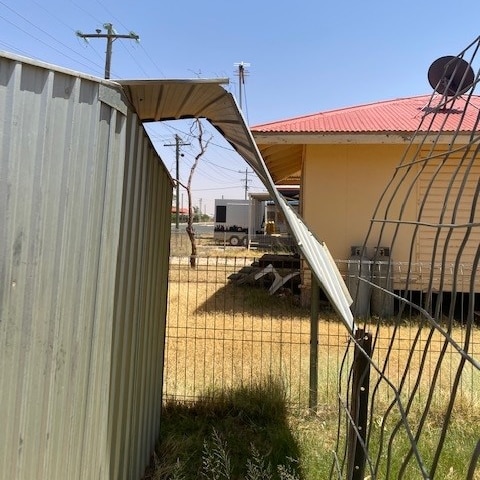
(140, 308)
(68, 315)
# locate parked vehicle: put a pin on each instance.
(255, 222)
(231, 220)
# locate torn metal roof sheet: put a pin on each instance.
(160, 100)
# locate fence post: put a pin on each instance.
(359, 405)
(314, 310)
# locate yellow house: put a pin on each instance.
(409, 161)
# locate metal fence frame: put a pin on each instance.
(221, 314)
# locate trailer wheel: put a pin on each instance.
(234, 241)
(245, 241)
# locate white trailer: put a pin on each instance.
(254, 222)
(231, 220)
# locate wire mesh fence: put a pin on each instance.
(224, 327)
(221, 332)
(419, 426)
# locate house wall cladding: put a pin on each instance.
(71, 156)
(448, 196)
(342, 186)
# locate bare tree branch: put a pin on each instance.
(196, 130)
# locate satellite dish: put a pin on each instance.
(450, 76)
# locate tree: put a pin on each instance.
(196, 130)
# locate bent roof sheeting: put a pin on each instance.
(159, 100)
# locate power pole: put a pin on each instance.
(178, 143)
(110, 36)
(246, 181)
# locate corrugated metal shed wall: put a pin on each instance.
(69, 241)
(140, 307)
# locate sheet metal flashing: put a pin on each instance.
(54, 68)
(160, 100)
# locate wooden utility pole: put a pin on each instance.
(242, 72)
(246, 182)
(110, 36)
(178, 143)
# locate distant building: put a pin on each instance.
(181, 211)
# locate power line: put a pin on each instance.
(110, 36)
(28, 33)
(168, 125)
(216, 188)
(134, 57)
(221, 166)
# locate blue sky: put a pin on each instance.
(305, 57)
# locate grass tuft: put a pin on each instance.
(216, 463)
(237, 433)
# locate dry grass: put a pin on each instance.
(221, 335)
(180, 246)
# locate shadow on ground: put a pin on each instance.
(235, 434)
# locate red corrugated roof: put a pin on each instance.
(183, 211)
(400, 115)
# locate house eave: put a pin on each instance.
(401, 138)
